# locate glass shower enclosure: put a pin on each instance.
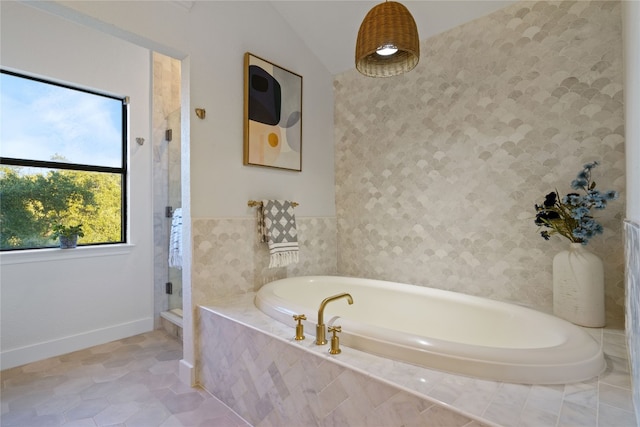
(167, 194)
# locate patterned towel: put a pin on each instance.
(277, 227)
(175, 240)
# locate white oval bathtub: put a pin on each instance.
(439, 329)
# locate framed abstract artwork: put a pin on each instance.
(272, 115)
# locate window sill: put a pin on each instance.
(55, 254)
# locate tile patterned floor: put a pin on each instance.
(127, 383)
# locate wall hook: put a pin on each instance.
(140, 141)
(201, 113)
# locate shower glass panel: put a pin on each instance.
(175, 197)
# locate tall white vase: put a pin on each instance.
(578, 287)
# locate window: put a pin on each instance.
(62, 161)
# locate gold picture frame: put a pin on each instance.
(272, 115)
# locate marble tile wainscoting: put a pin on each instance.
(632, 255)
(229, 260)
(270, 379)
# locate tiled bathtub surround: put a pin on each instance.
(271, 383)
(228, 259)
(272, 380)
(632, 254)
(438, 170)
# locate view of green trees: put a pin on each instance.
(31, 203)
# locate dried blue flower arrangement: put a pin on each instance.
(571, 216)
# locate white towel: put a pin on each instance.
(175, 240)
(277, 226)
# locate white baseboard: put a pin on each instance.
(43, 350)
(187, 373)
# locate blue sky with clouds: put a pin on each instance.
(40, 120)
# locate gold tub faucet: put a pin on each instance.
(320, 327)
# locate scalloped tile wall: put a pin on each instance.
(438, 170)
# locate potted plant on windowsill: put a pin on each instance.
(68, 235)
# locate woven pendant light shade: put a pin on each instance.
(387, 24)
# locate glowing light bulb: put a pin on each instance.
(386, 50)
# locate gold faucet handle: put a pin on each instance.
(299, 327)
(335, 341)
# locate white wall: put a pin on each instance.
(211, 38)
(631, 34)
(215, 36)
(56, 301)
